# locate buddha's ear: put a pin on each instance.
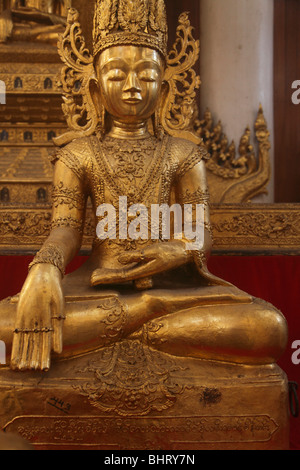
(157, 118)
(95, 93)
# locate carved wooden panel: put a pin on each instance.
(237, 229)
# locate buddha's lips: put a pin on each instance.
(132, 100)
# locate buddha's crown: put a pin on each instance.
(130, 22)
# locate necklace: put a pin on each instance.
(138, 165)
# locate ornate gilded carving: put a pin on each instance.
(150, 175)
(24, 225)
(76, 78)
(175, 114)
(50, 254)
(251, 228)
(272, 225)
(178, 104)
(196, 197)
(130, 162)
(25, 79)
(138, 22)
(256, 228)
(67, 222)
(232, 178)
(132, 380)
(116, 319)
(190, 162)
(62, 195)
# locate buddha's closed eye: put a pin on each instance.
(148, 75)
(116, 75)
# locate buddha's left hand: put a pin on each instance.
(152, 260)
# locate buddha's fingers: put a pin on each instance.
(36, 352)
(32, 349)
(133, 257)
(24, 354)
(101, 276)
(46, 338)
(24, 350)
(17, 347)
(41, 350)
(58, 334)
(57, 319)
(57, 309)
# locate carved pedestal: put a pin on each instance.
(129, 397)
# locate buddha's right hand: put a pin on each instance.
(39, 322)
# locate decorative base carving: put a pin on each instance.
(131, 397)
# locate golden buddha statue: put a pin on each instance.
(159, 297)
(131, 144)
(33, 20)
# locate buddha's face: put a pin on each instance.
(130, 78)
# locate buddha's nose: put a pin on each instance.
(132, 84)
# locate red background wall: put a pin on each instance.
(274, 279)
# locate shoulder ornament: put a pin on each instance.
(197, 155)
(74, 156)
